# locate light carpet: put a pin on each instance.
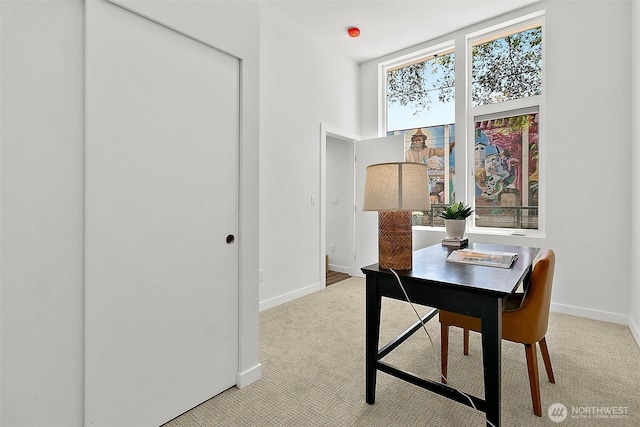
(312, 355)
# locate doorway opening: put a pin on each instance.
(337, 202)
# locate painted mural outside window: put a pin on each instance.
(433, 146)
(506, 172)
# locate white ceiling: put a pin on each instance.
(389, 25)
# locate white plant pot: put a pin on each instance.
(455, 227)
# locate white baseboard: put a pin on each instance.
(290, 296)
(339, 268)
(635, 331)
(249, 376)
(603, 316)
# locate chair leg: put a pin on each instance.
(545, 357)
(532, 366)
(444, 351)
(465, 345)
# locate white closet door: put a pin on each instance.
(162, 143)
(369, 152)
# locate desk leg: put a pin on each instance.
(492, 357)
(372, 332)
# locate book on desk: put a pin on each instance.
(483, 257)
(455, 242)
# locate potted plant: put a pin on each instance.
(455, 219)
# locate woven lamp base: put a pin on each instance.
(395, 240)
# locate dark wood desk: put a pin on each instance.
(474, 290)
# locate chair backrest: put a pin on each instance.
(537, 300)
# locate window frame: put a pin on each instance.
(503, 108)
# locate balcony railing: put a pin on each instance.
(516, 217)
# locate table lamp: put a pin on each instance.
(395, 190)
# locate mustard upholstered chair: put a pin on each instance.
(524, 321)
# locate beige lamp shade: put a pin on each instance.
(398, 186)
(395, 190)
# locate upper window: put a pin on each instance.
(421, 92)
(507, 67)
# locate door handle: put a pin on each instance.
(230, 239)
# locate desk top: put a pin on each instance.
(430, 266)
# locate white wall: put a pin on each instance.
(339, 203)
(303, 83)
(586, 143)
(41, 207)
(42, 194)
(635, 179)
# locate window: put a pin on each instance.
(420, 92)
(506, 170)
(420, 106)
(504, 95)
(507, 67)
(505, 103)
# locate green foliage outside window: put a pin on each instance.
(507, 68)
(414, 84)
(502, 69)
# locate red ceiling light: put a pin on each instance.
(353, 32)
